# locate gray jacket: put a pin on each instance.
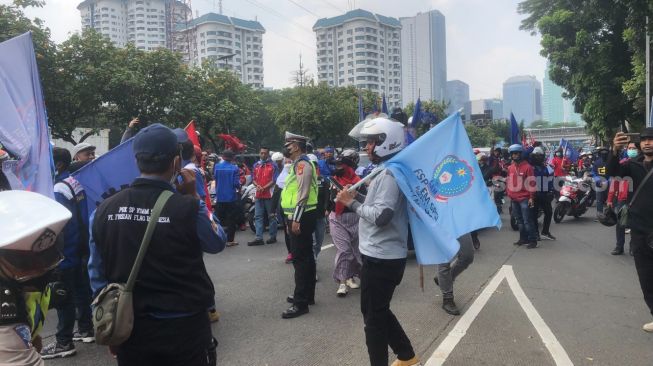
(383, 230)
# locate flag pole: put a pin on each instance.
(421, 277)
(367, 178)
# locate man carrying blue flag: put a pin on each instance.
(383, 236)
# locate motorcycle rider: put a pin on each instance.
(27, 254)
(599, 172)
(499, 174)
(544, 194)
(520, 173)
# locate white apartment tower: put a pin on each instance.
(363, 49)
(423, 57)
(148, 24)
(230, 43)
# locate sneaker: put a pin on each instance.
(548, 236)
(450, 307)
(412, 362)
(627, 231)
(520, 242)
(342, 290)
(271, 241)
(617, 251)
(532, 245)
(214, 316)
(84, 337)
(231, 243)
(648, 327)
(255, 242)
(57, 350)
(289, 258)
(352, 283)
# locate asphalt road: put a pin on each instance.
(588, 300)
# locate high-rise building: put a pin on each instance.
(363, 49)
(457, 95)
(522, 96)
(148, 24)
(483, 111)
(555, 107)
(423, 57)
(230, 43)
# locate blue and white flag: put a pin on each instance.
(24, 125)
(569, 150)
(446, 194)
(108, 174)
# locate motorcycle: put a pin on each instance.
(575, 197)
(247, 199)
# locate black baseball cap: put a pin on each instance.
(155, 139)
(647, 133)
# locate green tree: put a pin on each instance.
(480, 136)
(587, 45)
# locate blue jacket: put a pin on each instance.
(75, 233)
(326, 169)
(227, 182)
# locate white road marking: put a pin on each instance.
(556, 350)
(327, 246)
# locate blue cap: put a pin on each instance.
(156, 139)
(182, 136)
(329, 149)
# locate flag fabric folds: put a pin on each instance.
(24, 126)
(514, 130)
(417, 113)
(108, 174)
(361, 111)
(446, 194)
(192, 133)
(569, 151)
(384, 106)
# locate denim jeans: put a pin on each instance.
(525, 221)
(76, 306)
(262, 207)
(318, 235)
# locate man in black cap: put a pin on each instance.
(299, 206)
(173, 290)
(640, 212)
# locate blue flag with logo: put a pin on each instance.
(108, 174)
(24, 125)
(570, 152)
(514, 130)
(443, 184)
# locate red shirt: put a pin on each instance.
(559, 166)
(264, 175)
(518, 185)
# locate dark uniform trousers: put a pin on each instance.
(301, 247)
(642, 244)
(379, 277)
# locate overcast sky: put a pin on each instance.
(484, 43)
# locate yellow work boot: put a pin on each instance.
(412, 362)
(214, 316)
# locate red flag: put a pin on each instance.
(232, 143)
(192, 133)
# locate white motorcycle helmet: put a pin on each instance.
(389, 135)
(29, 223)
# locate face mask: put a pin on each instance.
(559, 154)
(632, 153)
(339, 172)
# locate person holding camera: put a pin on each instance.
(640, 207)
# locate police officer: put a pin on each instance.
(299, 205)
(173, 290)
(27, 253)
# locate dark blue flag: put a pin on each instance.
(384, 106)
(514, 130)
(108, 174)
(361, 111)
(417, 113)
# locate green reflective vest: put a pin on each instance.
(289, 193)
